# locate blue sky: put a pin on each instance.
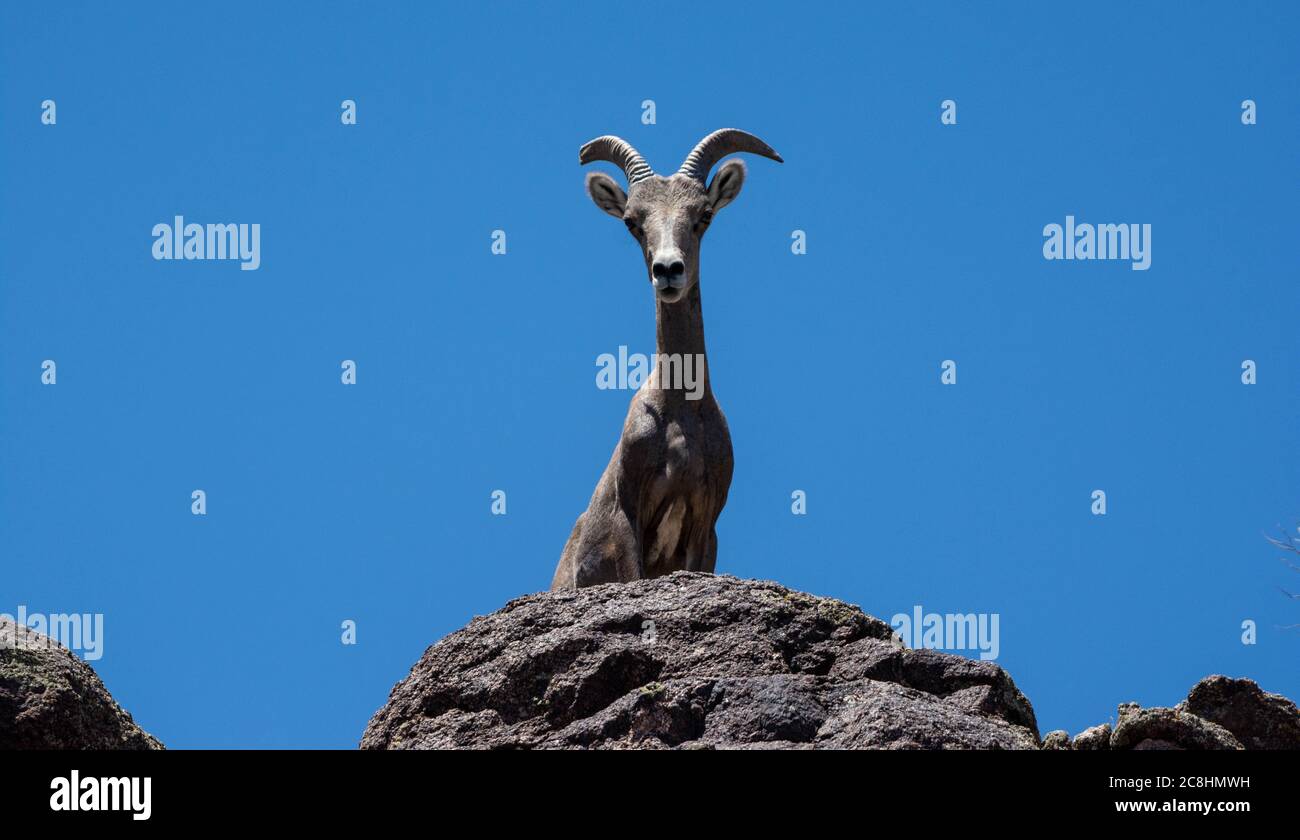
(476, 372)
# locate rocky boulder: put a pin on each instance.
(1093, 738)
(1260, 721)
(695, 661)
(52, 700)
(1219, 713)
(1167, 729)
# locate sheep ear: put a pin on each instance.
(726, 185)
(606, 194)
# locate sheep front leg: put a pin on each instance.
(603, 546)
(608, 550)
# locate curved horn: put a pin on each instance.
(619, 151)
(718, 145)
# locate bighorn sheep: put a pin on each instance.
(657, 502)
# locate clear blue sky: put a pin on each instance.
(477, 372)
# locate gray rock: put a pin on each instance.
(1057, 739)
(1220, 713)
(1093, 738)
(50, 699)
(1156, 744)
(1260, 721)
(731, 664)
(1168, 729)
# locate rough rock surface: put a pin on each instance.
(1057, 739)
(1259, 720)
(695, 661)
(1220, 713)
(50, 699)
(1168, 729)
(1093, 738)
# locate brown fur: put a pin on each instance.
(656, 505)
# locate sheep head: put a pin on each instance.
(669, 215)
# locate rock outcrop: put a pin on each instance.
(1167, 729)
(52, 700)
(1219, 713)
(1260, 721)
(1093, 738)
(695, 661)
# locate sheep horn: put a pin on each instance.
(619, 151)
(718, 145)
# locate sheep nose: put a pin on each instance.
(668, 268)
